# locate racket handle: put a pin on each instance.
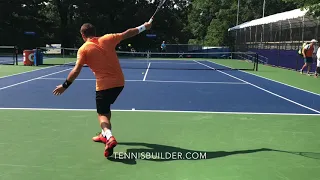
(151, 19)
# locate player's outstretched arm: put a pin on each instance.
(81, 60)
(74, 73)
(135, 31)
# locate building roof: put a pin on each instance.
(293, 18)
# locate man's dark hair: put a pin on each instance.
(88, 30)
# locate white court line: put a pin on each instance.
(263, 89)
(145, 75)
(33, 79)
(161, 111)
(196, 82)
(28, 71)
(65, 79)
(177, 62)
(157, 81)
(270, 79)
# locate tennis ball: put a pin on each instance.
(142, 72)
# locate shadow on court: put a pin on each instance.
(163, 153)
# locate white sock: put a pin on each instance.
(107, 134)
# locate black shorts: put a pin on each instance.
(308, 60)
(105, 98)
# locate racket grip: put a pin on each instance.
(151, 19)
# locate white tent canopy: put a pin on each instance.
(293, 18)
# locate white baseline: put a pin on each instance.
(162, 111)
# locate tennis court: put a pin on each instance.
(227, 124)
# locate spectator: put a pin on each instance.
(318, 63)
(163, 46)
(308, 52)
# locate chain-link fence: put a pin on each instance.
(278, 37)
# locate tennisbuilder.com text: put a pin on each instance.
(161, 155)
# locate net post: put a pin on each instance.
(16, 55)
(63, 55)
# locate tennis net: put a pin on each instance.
(8, 55)
(154, 60)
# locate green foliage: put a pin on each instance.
(180, 21)
(312, 5)
(18, 16)
(59, 21)
(314, 10)
(209, 21)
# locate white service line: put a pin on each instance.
(157, 62)
(263, 89)
(45, 78)
(145, 75)
(79, 79)
(157, 81)
(33, 79)
(195, 82)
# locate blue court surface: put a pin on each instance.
(161, 90)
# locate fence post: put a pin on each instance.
(257, 62)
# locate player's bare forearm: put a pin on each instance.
(135, 31)
(71, 77)
(74, 73)
(130, 33)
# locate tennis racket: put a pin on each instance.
(158, 8)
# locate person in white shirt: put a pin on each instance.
(318, 63)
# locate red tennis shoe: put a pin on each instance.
(111, 143)
(99, 138)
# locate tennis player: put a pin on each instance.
(100, 55)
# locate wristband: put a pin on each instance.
(66, 84)
(141, 28)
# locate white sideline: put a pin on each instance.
(33, 79)
(270, 79)
(28, 71)
(262, 89)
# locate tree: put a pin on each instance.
(312, 5)
(117, 16)
(209, 21)
(19, 16)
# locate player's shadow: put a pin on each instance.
(163, 153)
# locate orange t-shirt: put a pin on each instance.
(100, 55)
(310, 50)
